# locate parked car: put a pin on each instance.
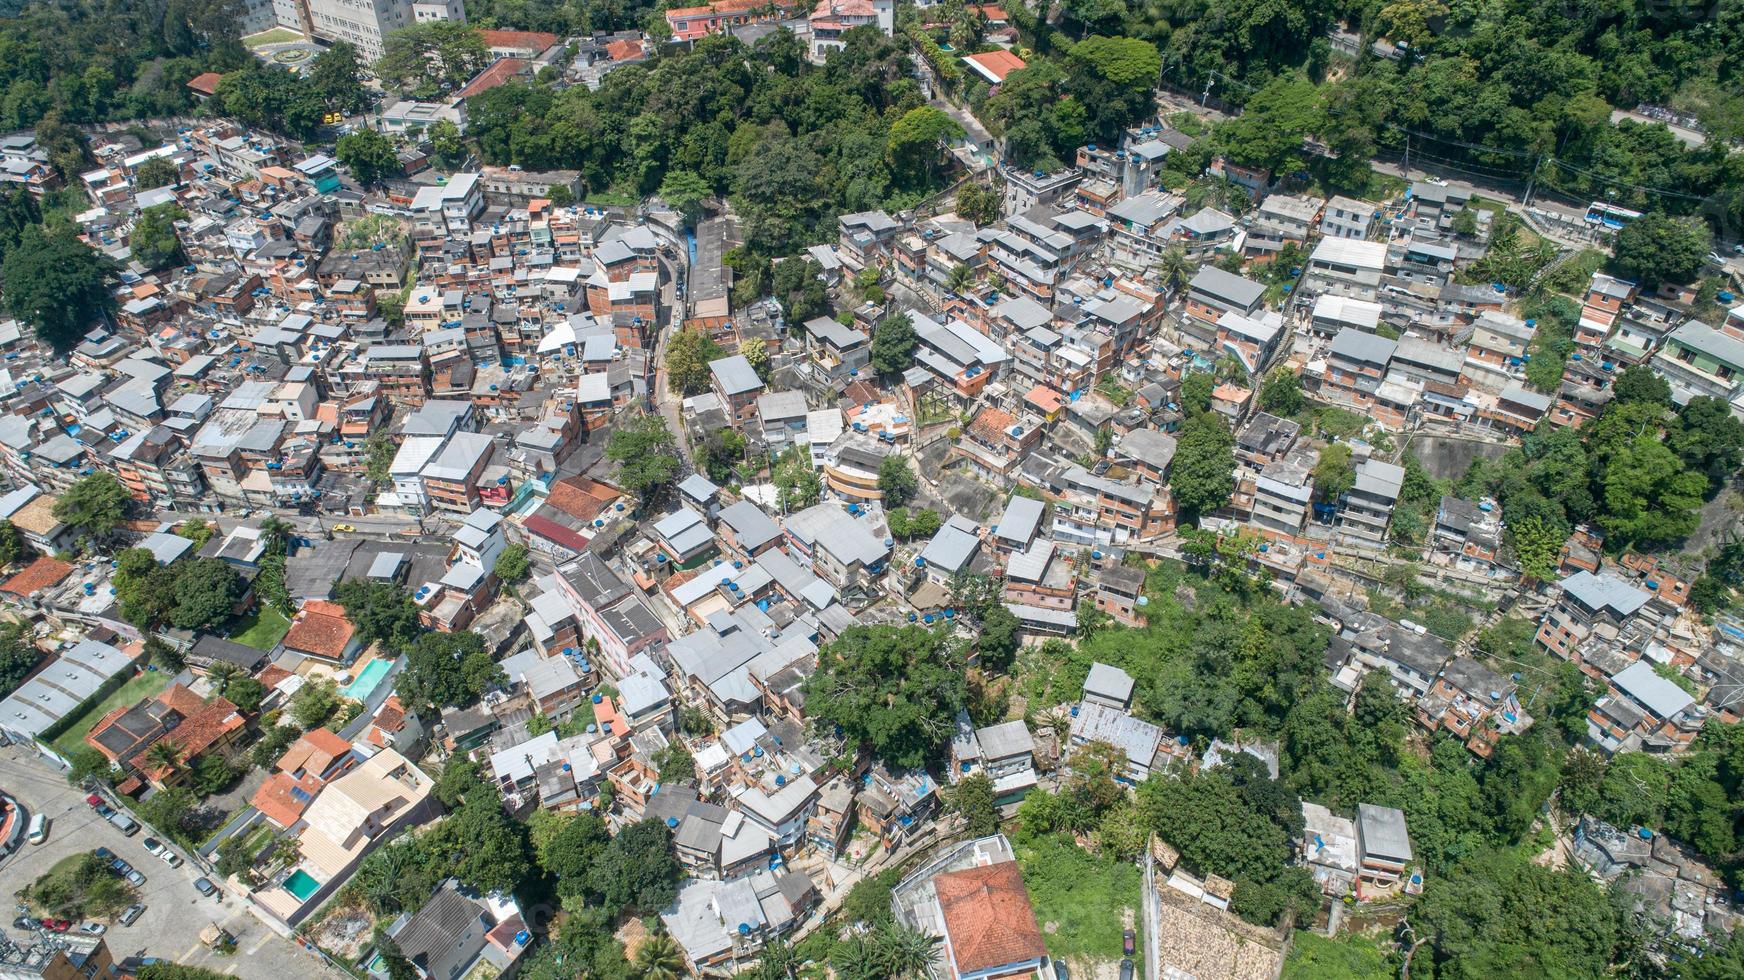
(26, 923)
(93, 928)
(94, 800)
(132, 914)
(1126, 969)
(37, 831)
(1060, 971)
(127, 824)
(1128, 942)
(105, 811)
(104, 853)
(152, 846)
(205, 887)
(120, 866)
(57, 925)
(170, 858)
(134, 878)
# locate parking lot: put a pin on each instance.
(175, 913)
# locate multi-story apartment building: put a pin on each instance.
(451, 478)
(1347, 267)
(1600, 605)
(1697, 361)
(1368, 506)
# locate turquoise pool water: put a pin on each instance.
(365, 684)
(301, 885)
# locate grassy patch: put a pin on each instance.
(1314, 957)
(145, 685)
(262, 628)
(1081, 900)
(277, 35)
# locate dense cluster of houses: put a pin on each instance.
(429, 360)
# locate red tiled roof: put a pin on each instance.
(198, 732)
(580, 497)
(547, 528)
(321, 629)
(996, 64)
(179, 699)
(990, 424)
(205, 83)
(497, 74)
(39, 574)
(313, 752)
(988, 917)
(278, 798)
(534, 41)
(1044, 398)
(624, 50)
(271, 674)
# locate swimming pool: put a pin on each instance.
(302, 885)
(367, 679)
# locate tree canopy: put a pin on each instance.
(646, 456)
(57, 284)
(895, 689)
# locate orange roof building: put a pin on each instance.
(283, 798)
(206, 83)
(43, 573)
(990, 926)
(527, 43)
(311, 761)
(994, 65)
(499, 73)
(314, 753)
(321, 630)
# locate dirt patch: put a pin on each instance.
(345, 931)
(632, 934)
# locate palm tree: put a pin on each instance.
(659, 958)
(960, 278)
(276, 533)
(1173, 269)
(222, 674)
(165, 755)
(905, 950)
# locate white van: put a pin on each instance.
(38, 830)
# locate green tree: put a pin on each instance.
(433, 57)
(906, 525)
(381, 612)
(972, 799)
(1708, 438)
(512, 565)
(207, 589)
(1333, 474)
(447, 670)
(659, 958)
(156, 172)
(896, 690)
(893, 344)
(685, 191)
(153, 238)
(637, 873)
(57, 284)
(447, 146)
(1640, 384)
(1203, 475)
(917, 141)
(1649, 498)
(1658, 248)
(796, 483)
(1282, 393)
(1196, 389)
(1001, 635)
(367, 154)
(336, 78)
(1538, 545)
(314, 704)
(94, 506)
(896, 480)
(688, 355)
(378, 455)
(1174, 269)
(646, 457)
(18, 655)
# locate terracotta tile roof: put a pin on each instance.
(624, 50)
(313, 752)
(179, 699)
(523, 40)
(991, 424)
(1044, 398)
(271, 675)
(283, 798)
(862, 392)
(320, 629)
(198, 732)
(497, 74)
(205, 83)
(988, 917)
(549, 529)
(995, 64)
(42, 573)
(580, 497)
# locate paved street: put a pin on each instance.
(175, 913)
